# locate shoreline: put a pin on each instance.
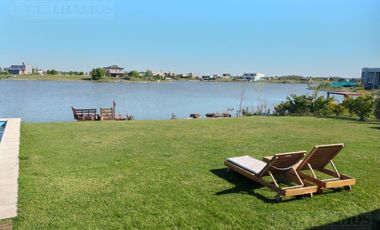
(118, 80)
(81, 80)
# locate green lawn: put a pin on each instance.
(170, 174)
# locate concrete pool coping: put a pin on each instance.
(9, 167)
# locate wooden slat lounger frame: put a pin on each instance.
(280, 165)
(317, 160)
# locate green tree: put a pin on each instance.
(134, 74)
(52, 72)
(98, 73)
(148, 75)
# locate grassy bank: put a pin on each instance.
(170, 174)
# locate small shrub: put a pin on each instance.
(260, 110)
(300, 105)
(282, 109)
(321, 106)
(304, 105)
(363, 106)
(377, 110)
(349, 104)
(337, 108)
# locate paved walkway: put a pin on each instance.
(9, 149)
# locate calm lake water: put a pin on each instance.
(41, 101)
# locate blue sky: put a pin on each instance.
(275, 37)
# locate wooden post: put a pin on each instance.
(113, 110)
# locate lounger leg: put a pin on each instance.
(348, 188)
(278, 198)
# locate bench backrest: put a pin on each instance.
(107, 113)
(80, 113)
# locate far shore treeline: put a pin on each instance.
(116, 73)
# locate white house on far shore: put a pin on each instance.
(20, 69)
(114, 71)
(252, 76)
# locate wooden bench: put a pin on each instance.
(110, 114)
(85, 114)
(107, 114)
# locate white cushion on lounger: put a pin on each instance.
(248, 163)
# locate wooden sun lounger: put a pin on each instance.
(317, 160)
(279, 166)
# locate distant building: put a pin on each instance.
(159, 74)
(40, 72)
(188, 75)
(184, 76)
(371, 78)
(226, 76)
(114, 71)
(170, 76)
(252, 76)
(20, 69)
(208, 77)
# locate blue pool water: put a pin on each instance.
(2, 127)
